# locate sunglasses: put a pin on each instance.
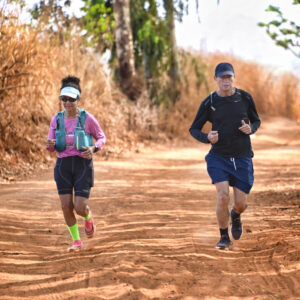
(66, 98)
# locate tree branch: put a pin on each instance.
(14, 75)
(12, 87)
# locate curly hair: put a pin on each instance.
(71, 81)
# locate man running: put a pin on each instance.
(234, 118)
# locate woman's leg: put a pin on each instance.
(82, 209)
(68, 211)
(81, 206)
(84, 180)
(68, 208)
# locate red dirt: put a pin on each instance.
(157, 230)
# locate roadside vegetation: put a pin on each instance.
(32, 65)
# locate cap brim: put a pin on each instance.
(68, 94)
(220, 74)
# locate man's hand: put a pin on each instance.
(213, 136)
(245, 128)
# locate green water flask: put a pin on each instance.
(81, 140)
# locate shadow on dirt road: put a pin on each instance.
(156, 231)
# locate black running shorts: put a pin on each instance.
(74, 172)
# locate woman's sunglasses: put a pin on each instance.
(66, 98)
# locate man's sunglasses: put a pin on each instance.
(66, 98)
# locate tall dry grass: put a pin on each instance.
(31, 68)
(275, 94)
(32, 65)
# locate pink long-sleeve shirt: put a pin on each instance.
(91, 126)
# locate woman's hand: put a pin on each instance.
(245, 128)
(88, 153)
(50, 143)
(213, 136)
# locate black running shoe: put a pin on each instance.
(224, 242)
(236, 227)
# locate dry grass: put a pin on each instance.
(275, 94)
(31, 69)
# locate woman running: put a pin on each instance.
(71, 134)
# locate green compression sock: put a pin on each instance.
(74, 232)
(88, 216)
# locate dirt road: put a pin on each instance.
(157, 230)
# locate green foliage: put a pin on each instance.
(150, 24)
(199, 71)
(100, 23)
(152, 49)
(285, 33)
(151, 38)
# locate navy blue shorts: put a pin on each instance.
(74, 172)
(237, 171)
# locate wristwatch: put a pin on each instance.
(96, 149)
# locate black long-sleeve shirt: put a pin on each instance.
(226, 115)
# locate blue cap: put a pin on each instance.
(70, 92)
(224, 69)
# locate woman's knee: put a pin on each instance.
(66, 202)
(81, 207)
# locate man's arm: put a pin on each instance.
(253, 116)
(200, 120)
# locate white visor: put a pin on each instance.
(70, 92)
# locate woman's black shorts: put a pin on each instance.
(74, 172)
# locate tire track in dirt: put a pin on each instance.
(156, 232)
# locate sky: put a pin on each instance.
(231, 27)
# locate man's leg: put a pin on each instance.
(239, 206)
(223, 213)
(222, 204)
(239, 201)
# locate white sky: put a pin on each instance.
(231, 27)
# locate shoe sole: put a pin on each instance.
(91, 233)
(223, 247)
(74, 249)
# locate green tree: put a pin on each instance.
(284, 32)
(154, 43)
(99, 21)
(155, 56)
